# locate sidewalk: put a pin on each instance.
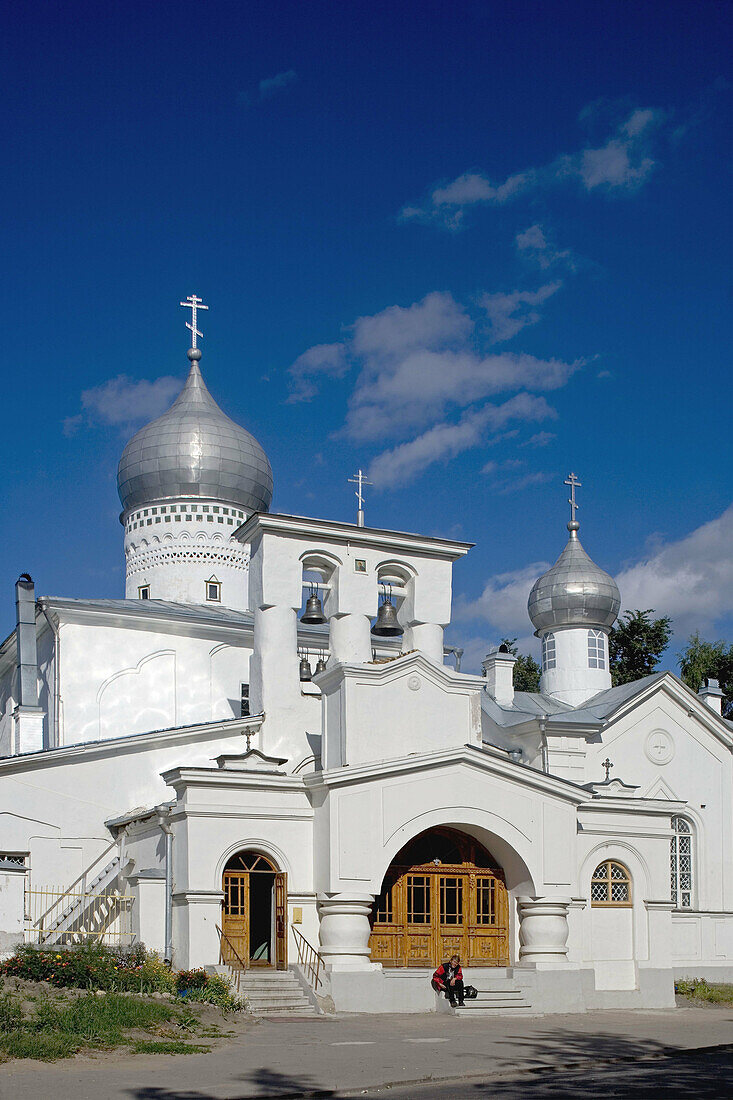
(338, 1054)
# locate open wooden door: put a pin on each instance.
(235, 918)
(281, 920)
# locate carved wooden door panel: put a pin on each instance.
(488, 933)
(452, 924)
(281, 920)
(235, 917)
(419, 945)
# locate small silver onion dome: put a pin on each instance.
(574, 592)
(195, 450)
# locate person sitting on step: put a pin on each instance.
(448, 979)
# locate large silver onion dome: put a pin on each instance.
(574, 592)
(195, 450)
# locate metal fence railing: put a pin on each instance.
(63, 917)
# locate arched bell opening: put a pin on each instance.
(444, 894)
(254, 912)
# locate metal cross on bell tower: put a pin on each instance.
(574, 484)
(194, 304)
(359, 479)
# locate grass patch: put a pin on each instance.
(59, 1026)
(699, 990)
(170, 1046)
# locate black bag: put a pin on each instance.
(470, 992)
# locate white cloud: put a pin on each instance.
(271, 85)
(621, 164)
(320, 360)
(503, 602)
(541, 439)
(124, 402)
(416, 363)
(403, 463)
(509, 313)
(534, 245)
(690, 579)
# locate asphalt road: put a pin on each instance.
(605, 1054)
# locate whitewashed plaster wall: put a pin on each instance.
(221, 812)
(571, 680)
(55, 804)
(364, 815)
(667, 748)
(385, 711)
(119, 680)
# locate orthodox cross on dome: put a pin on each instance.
(359, 479)
(194, 304)
(574, 484)
(607, 765)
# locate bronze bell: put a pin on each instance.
(320, 665)
(386, 625)
(313, 613)
(305, 669)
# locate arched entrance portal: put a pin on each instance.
(254, 912)
(443, 895)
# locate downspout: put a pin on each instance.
(164, 823)
(457, 654)
(544, 746)
(56, 674)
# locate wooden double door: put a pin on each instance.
(453, 902)
(254, 912)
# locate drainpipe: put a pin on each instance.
(164, 823)
(457, 654)
(56, 673)
(545, 748)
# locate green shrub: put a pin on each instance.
(187, 980)
(216, 991)
(11, 1014)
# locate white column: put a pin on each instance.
(543, 930)
(28, 722)
(349, 638)
(427, 638)
(345, 931)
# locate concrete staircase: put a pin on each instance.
(499, 994)
(274, 993)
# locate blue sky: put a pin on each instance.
(468, 246)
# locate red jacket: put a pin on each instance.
(441, 975)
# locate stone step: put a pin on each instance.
(505, 1010)
(301, 1010)
(260, 990)
(295, 996)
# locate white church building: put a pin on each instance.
(265, 756)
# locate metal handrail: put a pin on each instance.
(308, 958)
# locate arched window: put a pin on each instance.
(596, 649)
(548, 652)
(680, 863)
(610, 885)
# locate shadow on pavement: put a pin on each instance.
(259, 1083)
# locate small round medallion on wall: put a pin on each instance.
(414, 683)
(659, 747)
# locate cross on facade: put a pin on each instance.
(194, 304)
(359, 479)
(607, 765)
(574, 484)
(249, 734)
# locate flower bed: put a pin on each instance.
(96, 967)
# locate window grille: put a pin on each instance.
(680, 863)
(610, 885)
(244, 713)
(549, 659)
(418, 899)
(596, 649)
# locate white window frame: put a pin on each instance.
(682, 827)
(596, 649)
(549, 652)
(215, 584)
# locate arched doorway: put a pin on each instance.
(254, 912)
(443, 895)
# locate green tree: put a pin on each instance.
(526, 670)
(702, 660)
(635, 645)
